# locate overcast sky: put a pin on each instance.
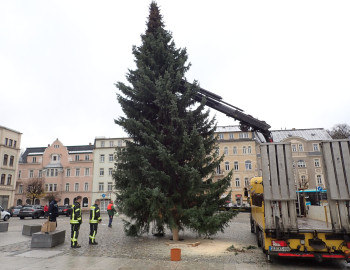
(285, 62)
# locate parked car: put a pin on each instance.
(14, 210)
(4, 214)
(33, 211)
(64, 210)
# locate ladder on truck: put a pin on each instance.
(279, 187)
(336, 158)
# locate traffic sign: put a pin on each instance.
(319, 188)
(103, 195)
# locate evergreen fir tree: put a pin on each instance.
(165, 175)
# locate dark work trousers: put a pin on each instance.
(74, 234)
(93, 232)
(110, 221)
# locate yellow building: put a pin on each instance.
(239, 150)
(10, 141)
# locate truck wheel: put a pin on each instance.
(252, 226)
(258, 237)
(262, 240)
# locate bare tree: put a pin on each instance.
(340, 131)
(35, 189)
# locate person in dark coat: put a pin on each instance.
(53, 209)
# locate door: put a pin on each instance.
(103, 205)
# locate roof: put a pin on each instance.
(312, 134)
(10, 129)
(40, 151)
(227, 129)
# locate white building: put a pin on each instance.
(10, 141)
(104, 159)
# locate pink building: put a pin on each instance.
(65, 170)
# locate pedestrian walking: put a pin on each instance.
(46, 211)
(75, 221)
(53, 209)
(95, 218)
(110, 210)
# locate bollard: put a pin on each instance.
(175, 254)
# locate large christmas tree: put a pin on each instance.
(165, 175)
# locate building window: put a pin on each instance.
(238, 182)
(249, 149)
(100, 186)
(235, 150)
(111, 158)
(40, 173)
(85, 202)
(301, 148)
(76, 187)
(34, 160)
(111, 143)
(68, 172)
(243, 135)
(102, 144)
(110, 171)
(56, 146)
(10, 142)
(2, 182)
(76, 157)
(86, 186)
(5, 160)
(19, 202)
(31, 174)
(6, 141)
(19, 174)
(102, 172)
(246, 182)
(301, 164)
(87, 157)
(66, 201)
(55, 158)
(20, 189)
(227, 166)
(244, 150)
(110, 186)
(54, 187)
(315, 146)
(218, 170)
(12, 158)
(28, 201)
(294, 148)
(317, 163)
(248, 165)
(87, 171)
(77, 172)
(120, 143)
(67, 187)
(9, 178)
(14, 144)
(221, 136)
(226, 150)
(319, 180)
(231, 136)
(102, 158)
(235, 166)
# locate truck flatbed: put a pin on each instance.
(305, 223)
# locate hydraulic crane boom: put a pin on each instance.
(247, 122)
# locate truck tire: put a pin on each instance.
(258, 236)
(252, 226)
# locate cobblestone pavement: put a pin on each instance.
(148, 249)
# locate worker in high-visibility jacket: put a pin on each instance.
(75, 221)
(95, 219)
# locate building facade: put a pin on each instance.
(65, 170)
(239, 150)
(10, 141)
(104, 161)
(307, 156)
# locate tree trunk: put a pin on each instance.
(175, 234)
